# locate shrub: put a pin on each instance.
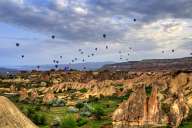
(56, 103)
(39, 119)
(79, 105)
(85, 113)
(98, 112)
(148, 90)
(69, 121)
(81, 122)
(83, 90)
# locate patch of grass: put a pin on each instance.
(69, 121)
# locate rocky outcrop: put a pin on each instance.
(138, 110)
(23, 94)
(178, 111)
(49, 96)
(11, 117)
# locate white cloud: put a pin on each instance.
(166, 33)
(61, 4)
(80, 10)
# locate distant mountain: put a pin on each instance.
(78, 66)
(152, 65)
(4, 71)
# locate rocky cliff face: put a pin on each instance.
(168, 104)
(138, 110)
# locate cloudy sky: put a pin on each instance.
(162, 25)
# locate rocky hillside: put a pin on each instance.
(141, 98)
(156, 101)
(152, 65)
(11, 117)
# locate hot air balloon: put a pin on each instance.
(72, 60)
(22, 56)
(57, 62)
(38, 67)
(83, 60)
(104, 35)
(163, 51)
(53, 36)
(88, 56)
(17, 44)
(106, 47)
(75, 58)
(56, 66)
(96, 49)
(79, 50)
(61, 57)
(172, 50)
(92, 54)
(134, 20)
(82, 52)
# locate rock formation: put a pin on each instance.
(138, 110)
(11, 117)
